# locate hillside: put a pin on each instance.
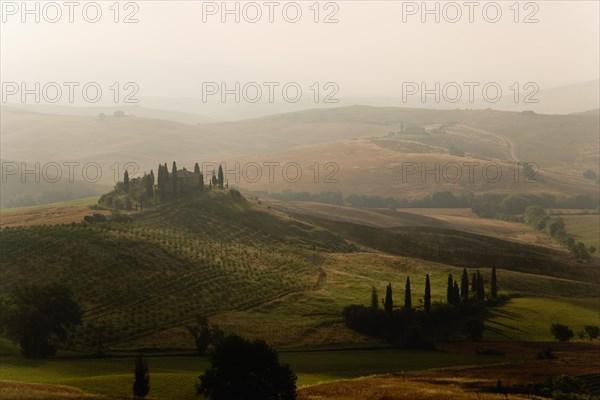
(364, 146)
(239, 261)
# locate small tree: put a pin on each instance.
(388, 305)
(592, 331)
(464, 286)
(126, 182)
(220, 177)
(456, 293)
(450, 290)
(39, 318)
(427, 302)
(141, 385)
(561, 332)
(374, 297)
(407, 295)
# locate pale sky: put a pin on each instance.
(368, 53)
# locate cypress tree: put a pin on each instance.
(407, 295)
(456, 293)
(374, 298)
(174, 177)
(494, 283)
(201, 182)
(221, 178)
(464, 286)
(152, 180)
(450, 290)
(126, 182)
(196, 169)
(427, 302)
(148, 185)
(141, 385)
(389, 302)
(480, 287)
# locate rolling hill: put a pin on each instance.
(240, 262)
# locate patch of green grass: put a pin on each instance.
(530, 318)
(174, 377)
(585, 228)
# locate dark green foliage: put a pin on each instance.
(126, 182)
(415, 328)
(174, 179)
(450, 290)
(220, 178)
(204, 335)
(427, 297)
(456, 293)
(561, 332)
(196, 168)
(592, 331)
(388, 304)
(141, 384)
(480, 287)
(374, 298)
(244, 370)
(39, 317)
(494, 284)
(474, 329)
(407, 295)
(464, 285)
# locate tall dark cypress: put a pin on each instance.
(374, 298)
(221, 177)
(141, 384)
(494, 284)
(389, 302)
(450, 290)
(480, 287)
(196, 169)
(464, 286)
(149, 186)
(407, 295)
(126, 182)
(174, 178)
(201, 182)
(427, 300)
(456, 293)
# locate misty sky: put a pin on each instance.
(369, 52)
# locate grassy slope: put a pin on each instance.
(174, 377)
(585, 228)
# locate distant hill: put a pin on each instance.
(562, 146)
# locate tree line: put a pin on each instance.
(460, 316)
(167, 185)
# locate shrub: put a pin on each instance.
(561, 332)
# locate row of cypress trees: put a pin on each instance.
(454, 294)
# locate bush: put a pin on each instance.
(561, 332)
(244, 370)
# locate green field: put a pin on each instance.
(585, 228)
(173, 377)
